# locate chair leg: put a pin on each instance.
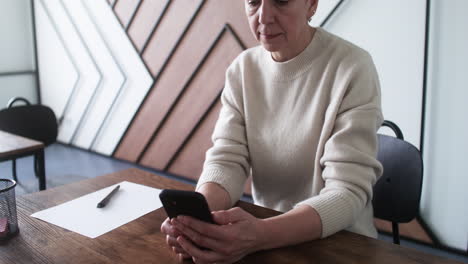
(36, 166)
(396, 233)
(39, 156)
(13, 167)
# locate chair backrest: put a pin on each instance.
(398, 191)
(32, 121)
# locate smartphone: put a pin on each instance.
(177, 202)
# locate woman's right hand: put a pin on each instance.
(171, 239)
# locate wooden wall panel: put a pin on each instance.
(124, 9)
(212, 17)
(170, 29)
(195, 101)
(189, 161)
(141, 132)
(146, 18)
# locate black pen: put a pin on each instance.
(106, 199)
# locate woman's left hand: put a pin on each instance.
(237, 234)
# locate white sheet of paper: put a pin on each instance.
(82, 216)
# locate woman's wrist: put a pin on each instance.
(264, 236)
(296, 226)
(216, 196)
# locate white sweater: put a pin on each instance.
(304, 129)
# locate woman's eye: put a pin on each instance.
(282, 2)
(257, 2)
(253, 2)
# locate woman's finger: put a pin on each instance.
(176, 248)
(201, 256)
(168, 229)
(180, 250)
(181, 257)
(202, 240)
(165, 224)
(172, 241)
(214, 231)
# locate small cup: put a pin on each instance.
(8, 217)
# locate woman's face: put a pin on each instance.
(281, 26)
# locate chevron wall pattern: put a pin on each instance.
(140, 80)
(102, 79)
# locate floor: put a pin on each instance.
(66, 164)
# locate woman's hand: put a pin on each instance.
(238, 234)
(171, 239)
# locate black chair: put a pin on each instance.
(36, 122)
(397, 193)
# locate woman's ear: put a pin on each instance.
(311, 8)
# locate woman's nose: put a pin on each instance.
(266, 15)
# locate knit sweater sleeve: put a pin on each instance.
(349, 163)
(227, 161)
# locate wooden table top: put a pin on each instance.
(141, 241)
(12, 145)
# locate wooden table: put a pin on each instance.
(141, 241)
(14, 146)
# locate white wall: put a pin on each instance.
(17, 86)
(393, 33)
(16, 51)
(445, 196)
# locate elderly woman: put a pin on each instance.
(300, 114)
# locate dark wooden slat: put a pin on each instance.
(198, 96)
(179, 69)
(124, 10)
(146, 19)
(131, 145)
(189, 162)
(200, 136)
(132, 18)
(168, 58)
(188, 138)
(170, 28)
